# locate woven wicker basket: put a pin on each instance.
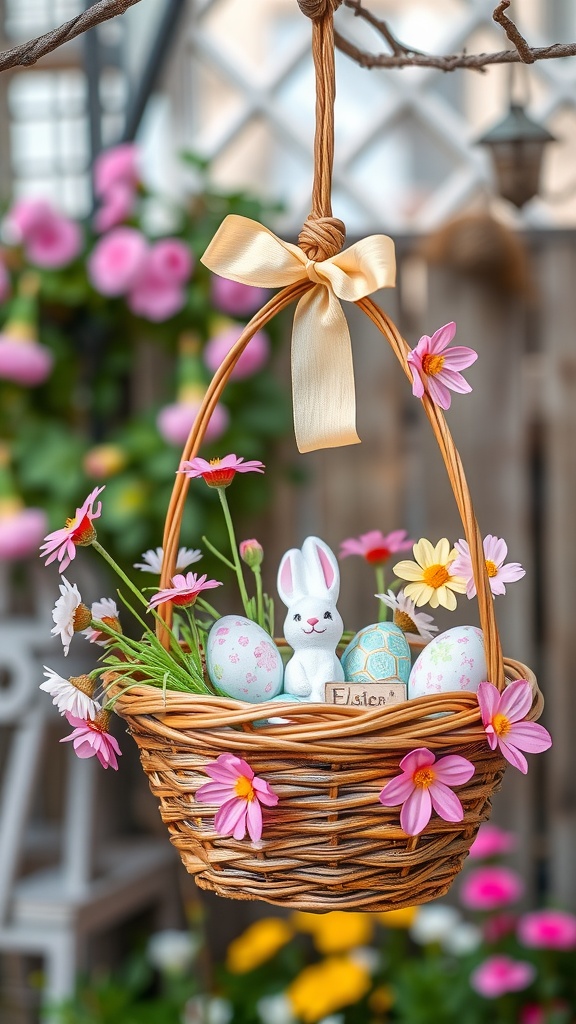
(329, 844)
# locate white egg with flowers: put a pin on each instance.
(243, 661)
(452, 661)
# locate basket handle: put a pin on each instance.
(322, 235)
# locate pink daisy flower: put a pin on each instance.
(502, 718)
(238, 794)
(78, 532)
(184, 590)
(492, 887)
(375, 546)
(435, 370)
(425, 785)
(491, 841)
(548, 929)
(495, 551)
(92, 739)
(501, 974)
(219, 472)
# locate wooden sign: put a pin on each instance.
(366, 695)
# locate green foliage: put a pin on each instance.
(102, 353)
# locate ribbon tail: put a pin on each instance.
(322, 373)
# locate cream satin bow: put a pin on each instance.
(322, 369)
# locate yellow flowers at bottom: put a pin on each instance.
(397, 918)
(323, 988)
(259, 943)
(337, 931)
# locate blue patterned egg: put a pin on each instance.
(243, 661)
(377, 652)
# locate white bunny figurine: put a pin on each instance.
(309, 584)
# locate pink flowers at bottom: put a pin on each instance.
(219, 472)
(425, 785)
(502, 718)
(500, 974)
(92, 739)
(491, 841)
(239, 793)
(492, 887)
(548, 929)
(78, 532)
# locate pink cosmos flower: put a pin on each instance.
(184, 590)
(425, 785)
(435, 370)
(50, 239)
(175, 422)
(495, 551)
(491, 841)
(500, 974)
(253, 358)
(548, 929)
(24, 361)
(118, 165)
(238, 794)
(21, 530)
(92, 739)
(219, 472)
(117, 206)
(375, 546)
(116, 261)
(502, 718)
(492, 887)
(236, 299)
(78, 532)
(171, 260)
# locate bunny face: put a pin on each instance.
(309, 584)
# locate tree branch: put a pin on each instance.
(28, 53)
(402, 56)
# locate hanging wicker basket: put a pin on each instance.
(328, 844)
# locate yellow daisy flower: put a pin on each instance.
(430, 579)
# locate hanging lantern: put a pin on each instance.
(517, 147)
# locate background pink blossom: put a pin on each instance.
(236, 299)
(491, 887)
(175, 421)
(118, 205)
(171, 261)
(500, 974)
(252, 359)
(118, 165)
(548, 929)
(21, 533)
(24, 362)
(50, 239)
(117, 260)
(492, 841)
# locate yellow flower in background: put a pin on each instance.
(381, 999)
(259, 943)
(305, 922)
(342, 930)
(325, 987)
(397, 918)
(431, 581)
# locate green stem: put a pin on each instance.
(380, 589)
(234, 549)
(119, 572)
(217, 553)
(259, 597)
(208, 607)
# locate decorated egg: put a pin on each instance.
(243, 661)
(377, 652)
(454, 660)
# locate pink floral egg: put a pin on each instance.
(453, 660)
(243, 661)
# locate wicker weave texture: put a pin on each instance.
(329, 844)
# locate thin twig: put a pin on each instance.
(403, 56)
(28, 53)
(513, 33)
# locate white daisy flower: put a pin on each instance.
(153, 559)
(416, 625)
(101, 610)
(69, 614)
(68, 696)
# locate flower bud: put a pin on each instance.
(251, 552)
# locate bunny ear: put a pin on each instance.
(322, 572)
(291, 583)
